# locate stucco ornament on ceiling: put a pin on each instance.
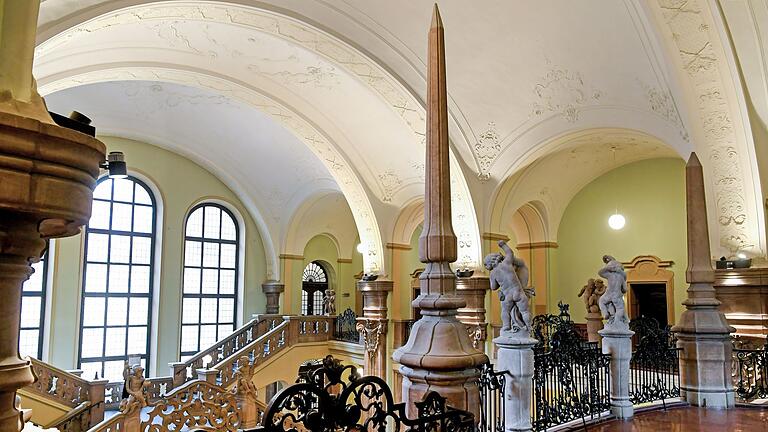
(689, 24)
(487, 149)
(661, 102)
(563, 91)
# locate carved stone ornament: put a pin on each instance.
(134, 389)
(590, 294)
(477, 334)
(371, 331)
(509, 275)
(612, 301)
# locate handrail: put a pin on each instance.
(116, 423)
(58, 384)
(77, 419)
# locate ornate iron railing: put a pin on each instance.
(654, 369)
(335, 398)
(571, 378)
(491, 385)
(344, 329)
(544, 326)
(750, 372)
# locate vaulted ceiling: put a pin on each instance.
(345, 81)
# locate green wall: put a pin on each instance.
(651, 196)
(182, 184)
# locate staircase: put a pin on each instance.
(70, 403)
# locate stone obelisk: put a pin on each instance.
(47, 174)
(702, 332)
(438, 355)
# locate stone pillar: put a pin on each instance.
(438, 355)
(594, 325)
(617, 341)
(373, 325)
(473, 290)
(702, 332)
(515, 355)
(47, 176)
(272, 290)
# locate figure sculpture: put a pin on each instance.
(612, 301)
(329, 302)
(244, 386)
(133, 389)
(591, 293)
(510, 274)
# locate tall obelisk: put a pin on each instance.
(438, 355)
(702, 332)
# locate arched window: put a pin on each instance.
(33, 310)
(209, 298)
(115, 319)
(314, 282)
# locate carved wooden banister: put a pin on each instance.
(156, 388)
(76, 420)
(186, 370)
(115, 423)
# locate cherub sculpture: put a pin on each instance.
(591, 293)
(133, 388)
(244, 386)
(510, 274)
(612, 301)
(329, 302)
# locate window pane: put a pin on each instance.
(117, 311)
(139, 311)
(103, 190)
(227, 283)
(119, 248)
(115, 342)
(35, 281)
(93, 311)
(212, 222)
(118, 278)
(113, 370)
(99, 215)
(142, 196)
(210, 254)
(226, 310)
(210, 281)
(192, 253)
(97, 247)
(139, 279)
(207, 335)
(123, 190)
(137, 340)
(228, 231)
(121, 217)
(191, 281)
(30, 312)
(91, 370)
(189, 338)
(208, 310)
(96, 278)
(190, 311)
(93, 342)
(228, 255)
(195, 224)
(142, 250)
(225, 330)
(29, 341)
(142, 219)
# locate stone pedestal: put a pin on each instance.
(594, 325)
(373, 325)
(272, 290)
(617, 341)
(515, 355)
(702, 331)
(473, 290)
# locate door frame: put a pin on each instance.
(645, 269)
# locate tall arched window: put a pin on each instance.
(33, 310)
(209, 298)
(117, 278)
(314, 282)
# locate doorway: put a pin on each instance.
(649, 300)
(651, 289)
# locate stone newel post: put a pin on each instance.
(272, 290)
(373, 325)
(617, 341)
(438, 355)
(702, 332)
(473, 290)
(47, 176)
(516, 357)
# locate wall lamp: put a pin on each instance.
(115, 164)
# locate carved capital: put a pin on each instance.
(371, 331)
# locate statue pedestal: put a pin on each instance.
(594, 325)
(617, 341)
(516, 356)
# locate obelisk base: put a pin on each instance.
(516, 357)
(617, 341)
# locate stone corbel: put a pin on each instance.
(477, 334)
(371, 331)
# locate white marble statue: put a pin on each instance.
(329, 302)
(612, 301)
(510, 274)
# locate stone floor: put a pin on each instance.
(691, 419)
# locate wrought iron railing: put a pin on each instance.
(750, 372)
(491, 385)
(345, 327)
(544, 326)
(654, 369)
(335, 398)
(571, 378)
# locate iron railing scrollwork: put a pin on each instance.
(543, 326)
(345, 329)
(334, 397)
(491, 385)
(571, 378)
(750, 372)
(654, 369)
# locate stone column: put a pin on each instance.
(515, 355)
(438, 355)
(272, 290)
(373, 325)
(47, 175)
(594, 325)
(617, 341)
(702, 332)
(473, 290)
